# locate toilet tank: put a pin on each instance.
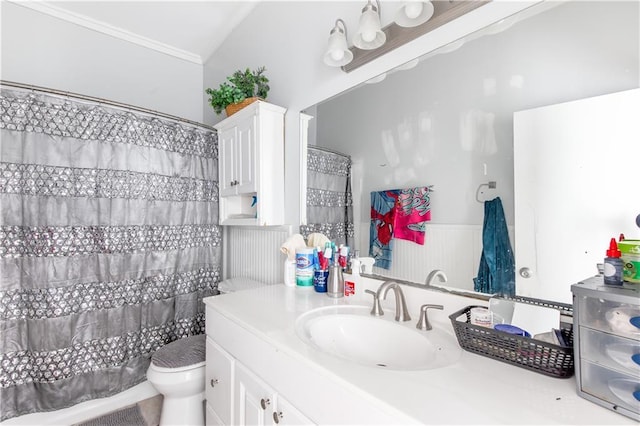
(231, 285)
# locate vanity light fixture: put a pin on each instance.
(370, 35)
(413, 13)
(338, 53)
(414, 19)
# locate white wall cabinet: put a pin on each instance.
(251, 166)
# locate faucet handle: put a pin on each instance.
(377, 309)
(423, 322)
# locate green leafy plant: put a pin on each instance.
(239, 86)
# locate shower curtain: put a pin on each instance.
(329, 200)
(108, 243)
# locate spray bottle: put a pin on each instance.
(613, 265)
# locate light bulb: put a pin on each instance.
(413, 9)
(368, 36)
(337, 54)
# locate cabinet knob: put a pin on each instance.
(264, 402)
(214, 382)
(277, 416)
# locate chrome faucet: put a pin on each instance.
(432, 276)
(401, 304)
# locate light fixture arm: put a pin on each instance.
(338, 53)
(336, 27)
(371, 6)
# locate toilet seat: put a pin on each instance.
(181, 354)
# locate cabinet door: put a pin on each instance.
(253, 400)
(245, 172)
(212, 418)
(287, 414)
(227, 141)
(574, 168)
(219, 383)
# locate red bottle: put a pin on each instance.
(613, 265)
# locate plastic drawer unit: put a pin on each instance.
(607, 344)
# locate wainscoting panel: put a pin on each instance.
(455, 249)
(254, 252)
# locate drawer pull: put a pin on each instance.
(264, 402)
(277, 416)
(214, 382)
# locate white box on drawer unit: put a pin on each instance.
(251, 166)
(607, 344)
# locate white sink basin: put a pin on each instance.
(351, 333)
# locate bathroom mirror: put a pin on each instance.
(446, 120)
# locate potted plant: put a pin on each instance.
(240, 89)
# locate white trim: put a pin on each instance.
(93, 24)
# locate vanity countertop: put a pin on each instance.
(474, 390)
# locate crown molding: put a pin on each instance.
(110, 30)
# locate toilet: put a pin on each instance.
(177, 371)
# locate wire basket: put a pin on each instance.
(526, 352)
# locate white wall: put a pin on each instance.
(45, 51)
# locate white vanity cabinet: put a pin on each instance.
(296, 392)
(237, 396)
(251, 166)
(256, 403)
(219, 385)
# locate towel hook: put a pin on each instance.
(491, 185)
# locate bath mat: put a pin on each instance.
(129, 416)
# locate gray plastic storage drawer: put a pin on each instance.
(607, 344)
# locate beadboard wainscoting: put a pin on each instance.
(413, 262)
(254, 252)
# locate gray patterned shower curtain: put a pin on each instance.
(329, 199)
(108, 243)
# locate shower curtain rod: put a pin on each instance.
(103, 101)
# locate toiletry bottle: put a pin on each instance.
(613, 265)
(290, 273)
(335, 282)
